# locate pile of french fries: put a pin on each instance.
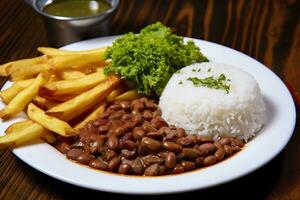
(60, 91)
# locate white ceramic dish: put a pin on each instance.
(265, 146)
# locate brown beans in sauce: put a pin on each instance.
(132, 138)
(98, 164)
(152, 170)
(124, 168)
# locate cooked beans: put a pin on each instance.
(207, 148)
(152, 170)
(147, 114)
(171, 146)
(209, 160)
(107, 155)
(151, 159)
(155, 135)
(188, 165)
(124, 168)
(84, 158)
(190, 153)
(63, 147)
(132, 138)
(98, 164)
(114, 163)
(180, 132)
(102, 129)
(228, 150)
(74, 153)
(178, 169)
(150, 145)
(112, 142)
(170, 160)
(219, 154)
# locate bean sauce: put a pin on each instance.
(132, 138)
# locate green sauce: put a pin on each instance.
(76, 8)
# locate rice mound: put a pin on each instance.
(213, 112)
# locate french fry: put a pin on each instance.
(53, 77)
(20, 101)
(111, 97)
(71, 74)
(129, 95)
(4, 69)
(74, 107)
(28, 72)
(92, 116)
(22, 136)
(43, 103)
(76, 85)
(44, 92)
(8, 94)
(11, 67)
(58, 52)
(18, 126)
(51, 123)
(90, 67)
(59, 63)
(24, 83)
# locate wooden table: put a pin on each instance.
(263, 29)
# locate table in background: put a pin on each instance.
(263, 29)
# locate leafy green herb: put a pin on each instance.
(199, 69)
(210, 82)
(180, 82)
(149, 59)
(194, 70)
(209, 70)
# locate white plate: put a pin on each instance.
(265, 146)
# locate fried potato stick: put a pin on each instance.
(29, 71)
(59, 63)
(8, 94)
(58, 52)
(51, 123)
(13, 66)
(20, 101)
(75, 85)
(71, 74)
(43, 103)
(117, 92)
(20, 136)
(129, 95)
(18, 126)
(76, 106)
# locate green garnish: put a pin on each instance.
(209, 69)
(149, 59)
(199, 69)
(210, 82)
(194, 70)
(180, 82)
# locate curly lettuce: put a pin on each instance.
(149, 59)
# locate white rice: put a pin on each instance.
(213, 112)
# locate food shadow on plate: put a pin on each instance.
(256, 185)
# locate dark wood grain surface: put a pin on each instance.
(266, 30)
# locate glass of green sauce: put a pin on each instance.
(68, 21)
